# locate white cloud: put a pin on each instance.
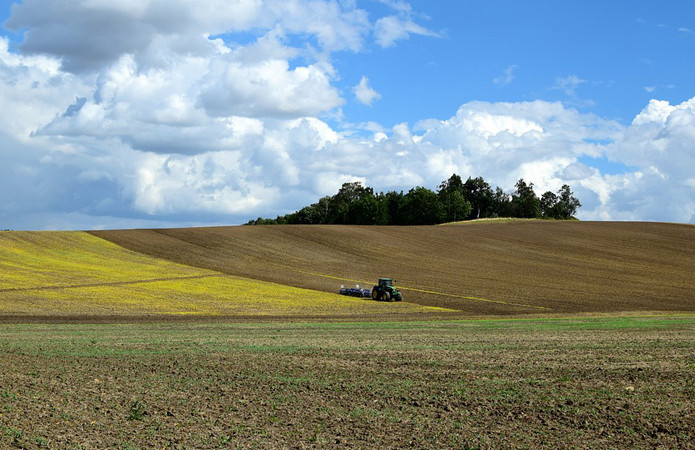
(269, 88)
(659, 144)
(506, 77)
(569, 84)
(390, 29)
(172, 124)
(88, 35)
(365, 93)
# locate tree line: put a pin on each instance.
(455, 200)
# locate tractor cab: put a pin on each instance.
(386, 291)
(385, 282)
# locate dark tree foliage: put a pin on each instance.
(455, 200)
(422, 207)
(501, 204)
(549, 205)
(525, 202)
(394, 207)
(479, 193)
(562, 205)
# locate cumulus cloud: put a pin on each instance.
(88, 35)
(173, 123)
(659, 144)
(364, 93)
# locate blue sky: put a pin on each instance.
(176, 113)
(609, 58)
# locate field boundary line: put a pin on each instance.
(113, 283)
(501, 302)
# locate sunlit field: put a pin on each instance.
(77, 274)
(620, 382)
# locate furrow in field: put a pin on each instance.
(518, 266)
(75, 274)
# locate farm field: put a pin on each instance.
(74, 275)
(620, 382)
(512, 334)
(478, 268)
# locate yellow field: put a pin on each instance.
(75, 273)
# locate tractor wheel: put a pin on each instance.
(386, 296)
(375, 294)
(399, 297)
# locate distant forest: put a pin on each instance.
(455, 200)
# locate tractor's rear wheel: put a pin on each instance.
(386, 296)
(375, 294)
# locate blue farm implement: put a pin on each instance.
(355, 292)
(384, 291)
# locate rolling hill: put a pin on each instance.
(74, 275)
(497, 267)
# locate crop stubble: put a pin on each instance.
(583, 383)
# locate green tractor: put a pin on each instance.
(386, 291)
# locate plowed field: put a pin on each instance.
(331, 371)
(514, 267)
(72, 275)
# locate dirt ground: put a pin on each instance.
(557, 383)
(516, 267)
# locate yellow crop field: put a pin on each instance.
(75, 273)
(41, 259)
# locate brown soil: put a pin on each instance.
(471, 384)
(517, 267)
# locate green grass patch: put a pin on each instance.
(572, 382)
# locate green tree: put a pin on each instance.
(479, 193)
(394, 207)
(343, 203)
(452, 197)
(422, 206)
(567, 204)
(501, 204)
(549, 202)
(381, 216)
(525, 202)
(363, 211)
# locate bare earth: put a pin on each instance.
(517, 267)
(539, 383)
(589, 343)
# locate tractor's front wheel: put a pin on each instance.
(398, 297)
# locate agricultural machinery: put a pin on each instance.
(355, 292)
(386, 291)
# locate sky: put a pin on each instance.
(175, 113)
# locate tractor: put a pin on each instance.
(386, 291)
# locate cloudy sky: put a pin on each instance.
(160, 113)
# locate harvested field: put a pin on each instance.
(506, 267)
(569, 383)
(74, 275)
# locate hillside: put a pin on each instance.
(514, 267)
(74, 275)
